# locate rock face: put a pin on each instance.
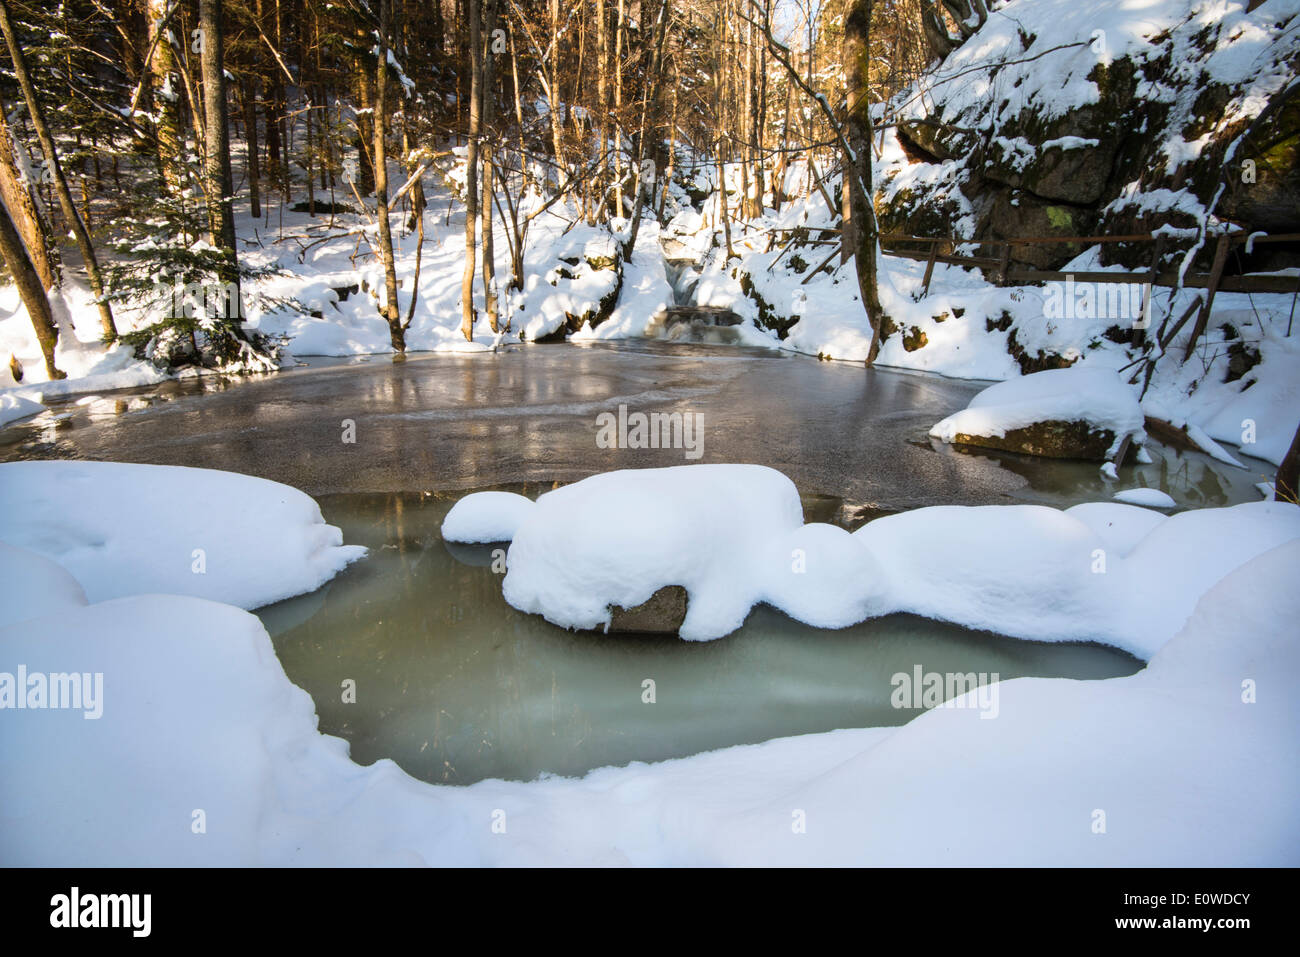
(1055, 440)
(1049, 134)
(661, 614)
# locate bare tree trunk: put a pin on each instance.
(471, 170)
(166, 103)
(216, 159)
(31, 291)
(602, 106)
(489, 264)
(37, 115)
(1288, 473)
(24, 204)
(857, 33)
(392, 313)
(250, 134)
(618, 108)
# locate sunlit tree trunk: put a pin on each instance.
(24, 206)
(392, 312)
(37, 116)
(857, 32)
(471, 170)
(30, 291)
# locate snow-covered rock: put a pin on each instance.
(616, 538)
(1040, 414)
(483, 517)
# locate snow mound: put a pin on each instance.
(135, 529)
(1076, 394)
(616, 538)
(486, 517)
(32, 585)
(15, 407)
(1019, 570)
(823, 576)
(1183, 557)
(1120, 527)
(1147, 497)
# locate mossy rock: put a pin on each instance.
(914, 339)
(660, 614)
(1052, 439)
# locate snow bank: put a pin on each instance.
(486, 517)
(134, 529)
(1148, 497)
(1183, 769)
(16, 407)
(1076, 394)
(32, 586)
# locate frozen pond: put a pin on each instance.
(528, 414)
(456, 686)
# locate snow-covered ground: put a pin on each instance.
(187, 743)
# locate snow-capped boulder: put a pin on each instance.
(1072, 413)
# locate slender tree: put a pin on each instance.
(46, 139)
(392, 312)
(472, 16)
(30, 291)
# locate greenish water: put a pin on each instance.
(456, 686)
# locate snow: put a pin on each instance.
(1076, 394)
(733, 536)
(486, 517)
(1020, 570)
(14, 408)
(34, 586)
(1148, 497)
(1186, 772)
(1120, 527)
(125, 529)
(616, 538)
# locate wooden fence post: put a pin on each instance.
(1216, 273)
(1149, 294)
(929, 268)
